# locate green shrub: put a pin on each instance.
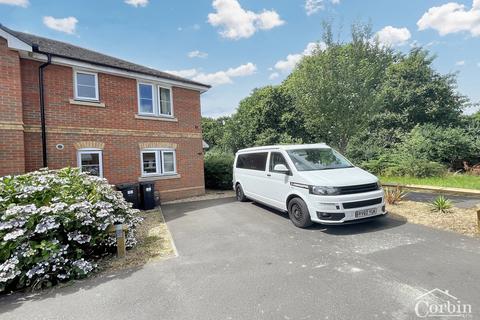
(418, 168)
(448, 146)
(441, 204)
(218, 170)
(377, 166)
(52, 226)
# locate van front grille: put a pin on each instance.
(363, 203)
(359, 188)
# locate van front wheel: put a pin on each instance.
(239, 193)
(298, 213)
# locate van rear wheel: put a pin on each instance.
(298, 213)
(239, 193)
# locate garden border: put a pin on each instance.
(435, 189)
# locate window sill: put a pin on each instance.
(96, 104)
(159, 177)
(157, 118)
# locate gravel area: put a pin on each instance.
(459, 220)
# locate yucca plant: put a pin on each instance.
(394, 195)
(441, 204)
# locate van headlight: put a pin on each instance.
(379, 185)
(324, 191)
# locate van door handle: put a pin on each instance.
(269, 175)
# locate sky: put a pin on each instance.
(239, 45)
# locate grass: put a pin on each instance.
(154, 242)
(453, 181)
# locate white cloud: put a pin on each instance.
(452, 17)
(236, 22)
(219, 77)
(137, 3)
(274, 75)
(187, 73)
(391, 36)
(197, 54)
(314, 6)
(20, 3)
(460, 63)
(66, 25)
(291, 60)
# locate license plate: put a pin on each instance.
(365, 213)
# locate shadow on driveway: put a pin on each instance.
(382, 223)
(179, 210)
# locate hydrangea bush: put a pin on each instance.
(53, 226)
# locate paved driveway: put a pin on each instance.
(460, 201)
(243, 261)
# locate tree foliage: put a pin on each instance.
(362, 98)
(336, 88)
(267, 116)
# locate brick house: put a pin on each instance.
(62, 105)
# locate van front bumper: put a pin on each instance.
(346, 209)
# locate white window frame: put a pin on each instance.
(75, 86)
(160, 101)
(156, 100)
(160, 161)
(153, 98)
(90, 151)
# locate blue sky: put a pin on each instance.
(238, 45)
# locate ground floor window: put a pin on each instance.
(158, 162)
(90, 161)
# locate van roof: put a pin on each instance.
(285, 147)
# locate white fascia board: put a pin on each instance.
(114, 71)
(15, 43)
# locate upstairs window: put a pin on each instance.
(145, 92)
(154, 100)
(165, 103)
(158, 162)
(86, 86)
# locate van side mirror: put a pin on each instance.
(281, 168)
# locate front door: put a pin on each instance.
(279, 182)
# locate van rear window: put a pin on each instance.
(252, 161)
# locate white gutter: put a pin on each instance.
(110, 70)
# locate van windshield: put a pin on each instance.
(318, 159)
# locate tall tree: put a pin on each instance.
(213, 130)
(335, 88)
(267, 116)
(417, 92)
(412, 94)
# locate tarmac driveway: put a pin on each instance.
(244, 261)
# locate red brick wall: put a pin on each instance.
(115, 126)
(11, 130)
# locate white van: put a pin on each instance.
(314, 183)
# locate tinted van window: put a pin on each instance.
(252, 161)
(277, 158)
